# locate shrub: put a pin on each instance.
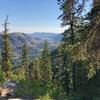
(40, 89)
(45, 97)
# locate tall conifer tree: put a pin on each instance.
(45, 63)
(71, 13)
(25, 61)
(6, 54)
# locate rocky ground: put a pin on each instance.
(7, 92)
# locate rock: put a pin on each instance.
(7, 89)
(9, 84)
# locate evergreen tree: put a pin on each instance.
(35, 70)
(45, 63)
(25, 61)
(61, 70)
(6, 54)
(72, 10)
(93, 52)
(82, 39)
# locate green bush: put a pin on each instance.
(58, 93)
(38, 89)
(45, 97)
(32, 88)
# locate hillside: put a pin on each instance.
(34, 42)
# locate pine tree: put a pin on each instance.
(25, 61)
(45, 63)
(72, 10)
(34, 71)
(61, 72)
(82, 39)
(6, 54)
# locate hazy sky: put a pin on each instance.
(31, 15)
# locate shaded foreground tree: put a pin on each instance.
(61, 70)
(84, 53)
(72, 10)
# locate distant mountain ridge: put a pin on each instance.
(34, 41)
(47, 36)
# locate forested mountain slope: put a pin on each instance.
(34, 42)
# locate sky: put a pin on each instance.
(31, 15)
